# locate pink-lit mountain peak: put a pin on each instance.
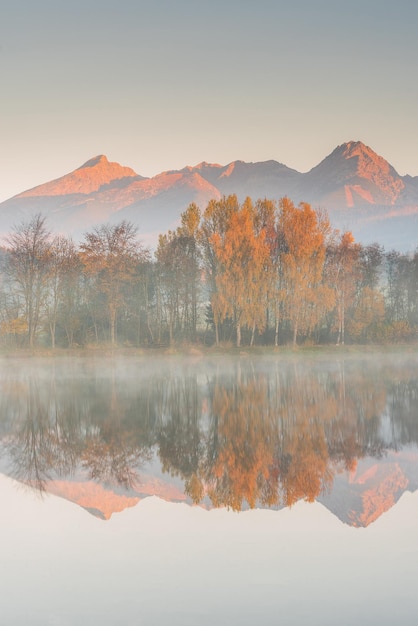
(361, 171)
(364, 158)
(203, 165)
(357, 153)
(86, 179)
(100, 160)
(353, 148)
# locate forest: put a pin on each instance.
(252, 273)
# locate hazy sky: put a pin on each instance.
(160, 84)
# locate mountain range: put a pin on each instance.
(357, 498)
(360, 190)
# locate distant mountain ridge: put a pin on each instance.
(357, 499)
(87, 179)
(360, 189)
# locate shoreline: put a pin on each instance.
(197, 351)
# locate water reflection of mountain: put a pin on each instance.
(248, 433)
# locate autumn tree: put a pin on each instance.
(243, 258)
(303, 259)
(215, 221)
(367, 314)
(109, 254)
(187, 239)
(265, 219)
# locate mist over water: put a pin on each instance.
(221, 431)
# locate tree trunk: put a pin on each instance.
(252, 335)
(170, 331)
(295, 334)
(112, 327)
(238, 335)
(276, 332)
(52, 332)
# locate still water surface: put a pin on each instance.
(213, 491)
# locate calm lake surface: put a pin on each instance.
(209, 491)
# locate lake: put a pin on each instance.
(215, 490)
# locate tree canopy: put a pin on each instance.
(253, 272)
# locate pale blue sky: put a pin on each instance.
(161, 84)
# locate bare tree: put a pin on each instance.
(27, 268)
(63, 278)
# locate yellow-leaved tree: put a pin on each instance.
(303, 232)
(243, 260)
(215, 221)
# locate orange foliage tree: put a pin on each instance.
(241, 283)
(303, 258)
(215, 221)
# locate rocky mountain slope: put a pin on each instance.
(374, 487)
(360, 189)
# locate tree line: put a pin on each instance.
(261, 272)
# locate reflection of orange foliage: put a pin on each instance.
(243, 466)
(305, 466)
(309, 471)
(281, 439)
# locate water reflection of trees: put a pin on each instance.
(277, 437)
(52, 428)
(251, 434)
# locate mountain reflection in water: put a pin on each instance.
(219, 432)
